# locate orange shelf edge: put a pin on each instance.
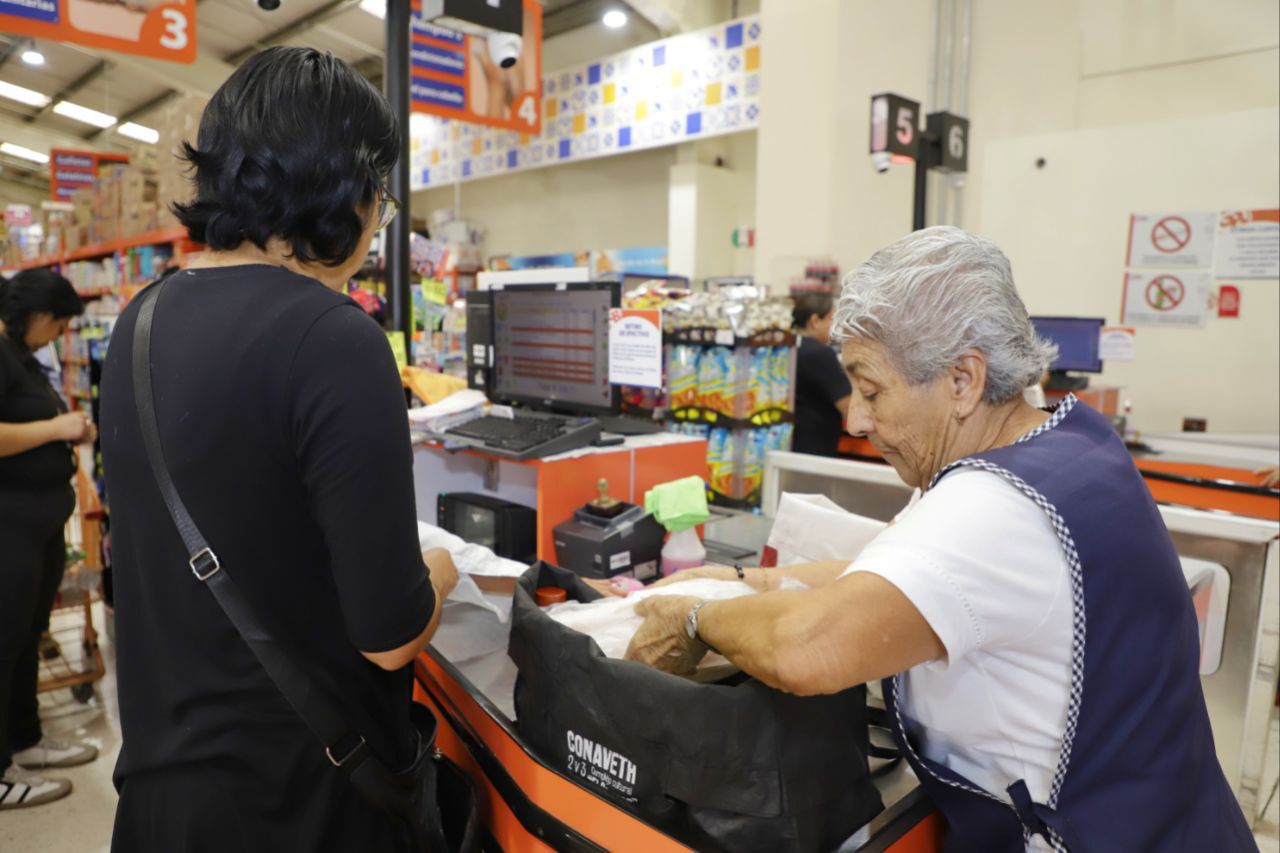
(175, 234)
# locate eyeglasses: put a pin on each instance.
(388, 207)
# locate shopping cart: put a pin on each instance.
(69, 653)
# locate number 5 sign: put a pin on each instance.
(160, 30)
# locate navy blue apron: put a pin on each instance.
(1137, 770)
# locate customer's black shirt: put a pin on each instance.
(25, 397)
(820, 383)
(283, 423)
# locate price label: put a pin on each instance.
(436, 291)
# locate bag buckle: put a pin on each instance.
(204, 564)
(339, 762)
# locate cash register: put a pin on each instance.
(610, 538)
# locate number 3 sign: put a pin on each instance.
(160, 30)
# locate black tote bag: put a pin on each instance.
(735, 765)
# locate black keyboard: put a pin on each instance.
(525, 436)
(519, 433)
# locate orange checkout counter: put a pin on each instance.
(468, 680)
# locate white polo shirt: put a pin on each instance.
(981, 563)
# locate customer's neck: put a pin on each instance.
(277, 254)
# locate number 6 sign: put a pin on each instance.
(151, 28)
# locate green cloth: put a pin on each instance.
(678, 505)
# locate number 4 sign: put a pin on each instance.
(151, 28)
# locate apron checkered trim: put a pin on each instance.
(1065, 540)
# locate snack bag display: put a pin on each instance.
(780, 437)
(762, 381)
(682, 375)
(720, 460)
(716, 378)
(780, 372)
(756, 445)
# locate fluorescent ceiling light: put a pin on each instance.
(84, 114)
(22, 96)
(33, 57)
(139, 132)
(614, 18)
(24, 153)
(377, 8)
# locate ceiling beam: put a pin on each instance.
(71, 88)
(135, 113)
(37, 137)
(11, 46)
(571, 16)
(12, 173)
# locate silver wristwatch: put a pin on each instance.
(691, 621)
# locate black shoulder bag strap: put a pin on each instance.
(345, 748)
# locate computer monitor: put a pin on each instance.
(1077, 340)
(551, 346)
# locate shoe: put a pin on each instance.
(55, 753)
(20, 789)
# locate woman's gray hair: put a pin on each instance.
(935, 294)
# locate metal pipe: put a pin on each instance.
(942, 198)
(395, 79)
(933, 189)
(962, 103)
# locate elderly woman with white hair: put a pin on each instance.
(1026, 611)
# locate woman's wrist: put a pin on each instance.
(758, 578)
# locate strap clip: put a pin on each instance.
(204, 564)
(336, 762)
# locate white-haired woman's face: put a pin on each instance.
(907, 423)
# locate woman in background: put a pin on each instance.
(822, 387)
(37, 463)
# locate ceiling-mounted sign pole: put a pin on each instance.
(395, 76)
(897, 138)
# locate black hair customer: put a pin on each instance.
(823, 388)
(283, 424)
(37, 463)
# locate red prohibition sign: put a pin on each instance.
(1165, 292)
(1171, 234)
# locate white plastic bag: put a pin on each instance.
(814, 528)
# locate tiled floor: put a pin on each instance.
(81, 823)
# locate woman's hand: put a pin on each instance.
(719, 573)
(74, 427)
(1270, 476)
(662, 641)
(444, 574)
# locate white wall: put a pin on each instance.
(1068, 253)
(1041, 72)
(611, 202)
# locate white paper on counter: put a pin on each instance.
(449, 411)
(469, 558)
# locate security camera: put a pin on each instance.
(268, 5)
(504, 48)
(881, 160)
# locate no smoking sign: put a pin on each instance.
(1171, 240)
(1171, 234)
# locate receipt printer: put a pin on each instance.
(610, 538)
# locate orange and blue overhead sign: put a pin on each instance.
(452, 75)
(146, 28)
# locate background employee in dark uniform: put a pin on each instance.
(283, 424)
(822, 387)
(36, 466)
